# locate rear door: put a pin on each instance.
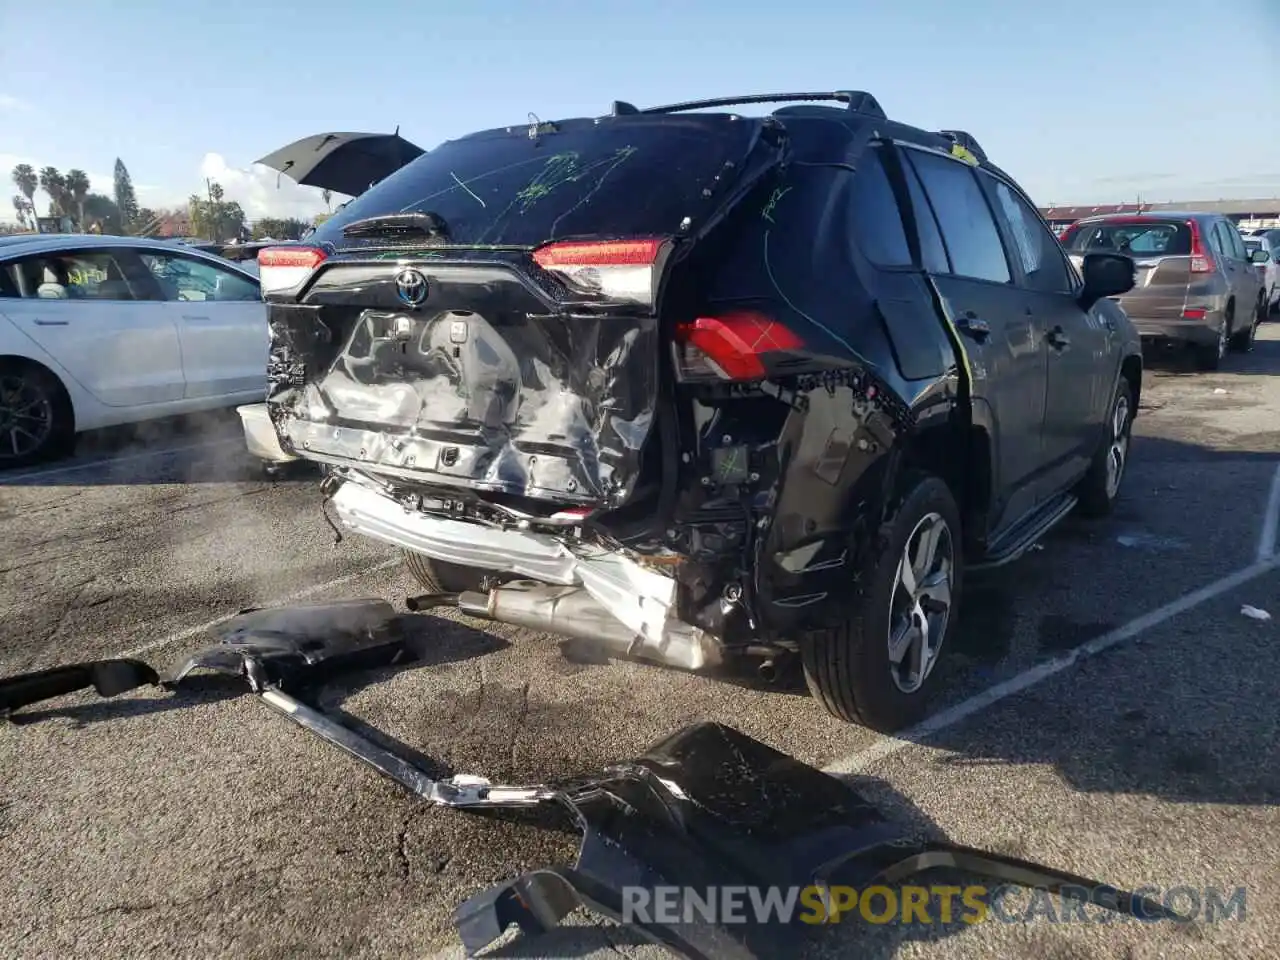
(221, 322)
(1003, 343)
(1077, 391)
(1245, 283)
(92, 311)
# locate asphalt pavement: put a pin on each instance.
(1109, 710)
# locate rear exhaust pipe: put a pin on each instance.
(570, 611)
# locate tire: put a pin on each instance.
(1209, 357)
(1098, 491)
(33, 401)
(848, 667)
(1242, 340)
(436, 576)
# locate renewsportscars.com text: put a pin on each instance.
(937, 904)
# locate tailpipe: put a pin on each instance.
(570, 611)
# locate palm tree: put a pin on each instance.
(25, 179)
(77, 182)
(55, 185)
(327, 196)
(20, 207)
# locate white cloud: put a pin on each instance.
(13, 104)
(261, 191)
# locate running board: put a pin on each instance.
(1026, 534)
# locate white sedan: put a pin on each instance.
(99, 331)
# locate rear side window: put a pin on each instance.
(877, 221)
(1152, 238)
(92, 275)
(968, 229)
(621, 176)
(932, 250)
(1039, 252)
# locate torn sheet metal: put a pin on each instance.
(706, 807)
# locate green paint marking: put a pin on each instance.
(777, 195)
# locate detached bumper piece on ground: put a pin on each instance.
(708, 807)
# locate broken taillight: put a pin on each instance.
(283, 268)
(613, 269)
(1201, 262)
(730, 346)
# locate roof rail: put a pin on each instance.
(966, 140)
(859, 102)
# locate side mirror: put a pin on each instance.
(1259, 256)
(1105, 275)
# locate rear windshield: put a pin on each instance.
(1168, 238)
(623, 176)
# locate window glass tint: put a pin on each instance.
(932, 250)
(877, 222)
(1039, 252)
(183, 279)
(1233, 238)
(1217, 241)
(1252, 245)
(967, 225)
(93, 275)
(621, 176)
(1147, 237)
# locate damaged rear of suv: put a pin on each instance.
(695, 384)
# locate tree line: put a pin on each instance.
(70, 194)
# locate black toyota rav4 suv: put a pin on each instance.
(688, 383)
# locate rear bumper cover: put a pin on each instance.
(1190, 331)
(260, 434)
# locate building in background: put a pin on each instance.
(1246, 213)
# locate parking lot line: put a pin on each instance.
(1043, 671)
(300, 595)
(1267, 535)
(75, 467)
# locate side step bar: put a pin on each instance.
(1026, 534)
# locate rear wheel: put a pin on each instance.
(436, 576)
(1242, 340)
(37, 423)
(1209, 355)
(876, 667)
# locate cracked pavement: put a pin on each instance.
(205, 825)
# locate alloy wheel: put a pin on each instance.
(920, 605)
(1118, 450)
(26, 417)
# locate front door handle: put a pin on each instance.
(51, 323)
(1058, 338)
(193, 316)
(973, 326)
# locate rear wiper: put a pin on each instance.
(399, 225)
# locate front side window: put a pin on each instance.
(968, 228)
(181, 278)
(1041, 256)
(92, 275)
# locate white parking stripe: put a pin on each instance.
(1029, 678)
(300, 595)
(1267, 535)
(111, 461)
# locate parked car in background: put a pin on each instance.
(1270, 271)
(1196, 282)
(97, 331)
(689, 385)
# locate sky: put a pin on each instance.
(1081, 102)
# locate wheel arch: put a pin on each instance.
(962, 457)
(18, 359)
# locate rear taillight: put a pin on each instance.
(1201, 262)
(611, 269)
(1064, 238)
(283, 268)
(731, 346)
(1193, 313)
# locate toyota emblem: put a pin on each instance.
(411, 287)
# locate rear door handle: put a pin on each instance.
(1058, 338)
(973, 326)
(193, 316)
(51, 323)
